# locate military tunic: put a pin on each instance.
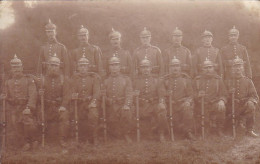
(118, 93)
(88, 89)
(182, 92)
(21, 93)
(126, 62)
(92, 53)
(153, 54)
(228, 54)
(183, 54)
(244, 91)
(48, 50)
(212, 54)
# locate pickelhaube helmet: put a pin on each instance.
(175, 61)
(233, 31)
(238, 61)
(145, 33)
(145, 62)
(206, 33)
(114, 34)
(177, 32)
(208, 63)
(54, 60)
(16, 61)
(114, 60)
(82, 30)
(83, 60)
(50, 26)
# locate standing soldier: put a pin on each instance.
(233, 49)
(21, 95)
(152, 104)
(53, 47)
(124, 55)
(92, 52)
(210, 93)
(152, 53)
(55, 89)
(180, 52)
(207, 51)
(245, 95)
(86, 91)
(179, 85)
(118, 100)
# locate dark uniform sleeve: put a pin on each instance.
(32, 93)
(96, 88)
(196, 67)
(189, 90)
(66, 60)
(160, 62)
(166, 60)
(130, 64)
(161, 89)
(98, 61)
(220, 65)
(128, 92)
(248, 70)
(66, 93)
(40, 64)
(190, 64)
(222, 93)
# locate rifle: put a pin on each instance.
(4, 115)
(233, 115)
(137, 115)
(171, 117)
(104, 115)
(202, 118)
(76, 120)
(42, 112)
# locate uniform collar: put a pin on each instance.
(52, 41)
(146, 46)
(84, 44)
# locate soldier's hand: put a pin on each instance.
(250, 104)
(62, 109)
(74, 96)
(41, 92)
(126, 107)
(3, 96)
(202, 94)
(26, 111)
(221, 105)
(92, 104)
(161, 106)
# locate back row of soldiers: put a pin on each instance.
(158, 98)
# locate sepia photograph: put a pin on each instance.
(130, 82)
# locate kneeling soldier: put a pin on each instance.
(55, 89)
(118, 100)
(179, 86)
(245, 97)
(210, 99)
(21, 114)
(152, 104)
(85, 87)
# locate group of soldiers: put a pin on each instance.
(117, 94)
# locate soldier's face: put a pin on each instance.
(53, 69)
(114, 68)
(16, 70)
(83, 38)
(145, 40)
(175, 69)
(233, 38)
(237, 69)
(208, 70)
(207, 40)
(115, 42)
(146, 70)
(177, 40)
(51, 34)
(83, 68)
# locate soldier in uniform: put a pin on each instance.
(180, 52)
(233, 49)
(211, 87)
(152, 104)
(246, 98)
(53, 47)
(92, 52)
(86, 90)
(153, 53)
(55, 89)
(207, 51)
(118, 101)
(124, 55)
(180, 86)
(21, 95)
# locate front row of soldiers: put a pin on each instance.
(160, 106)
